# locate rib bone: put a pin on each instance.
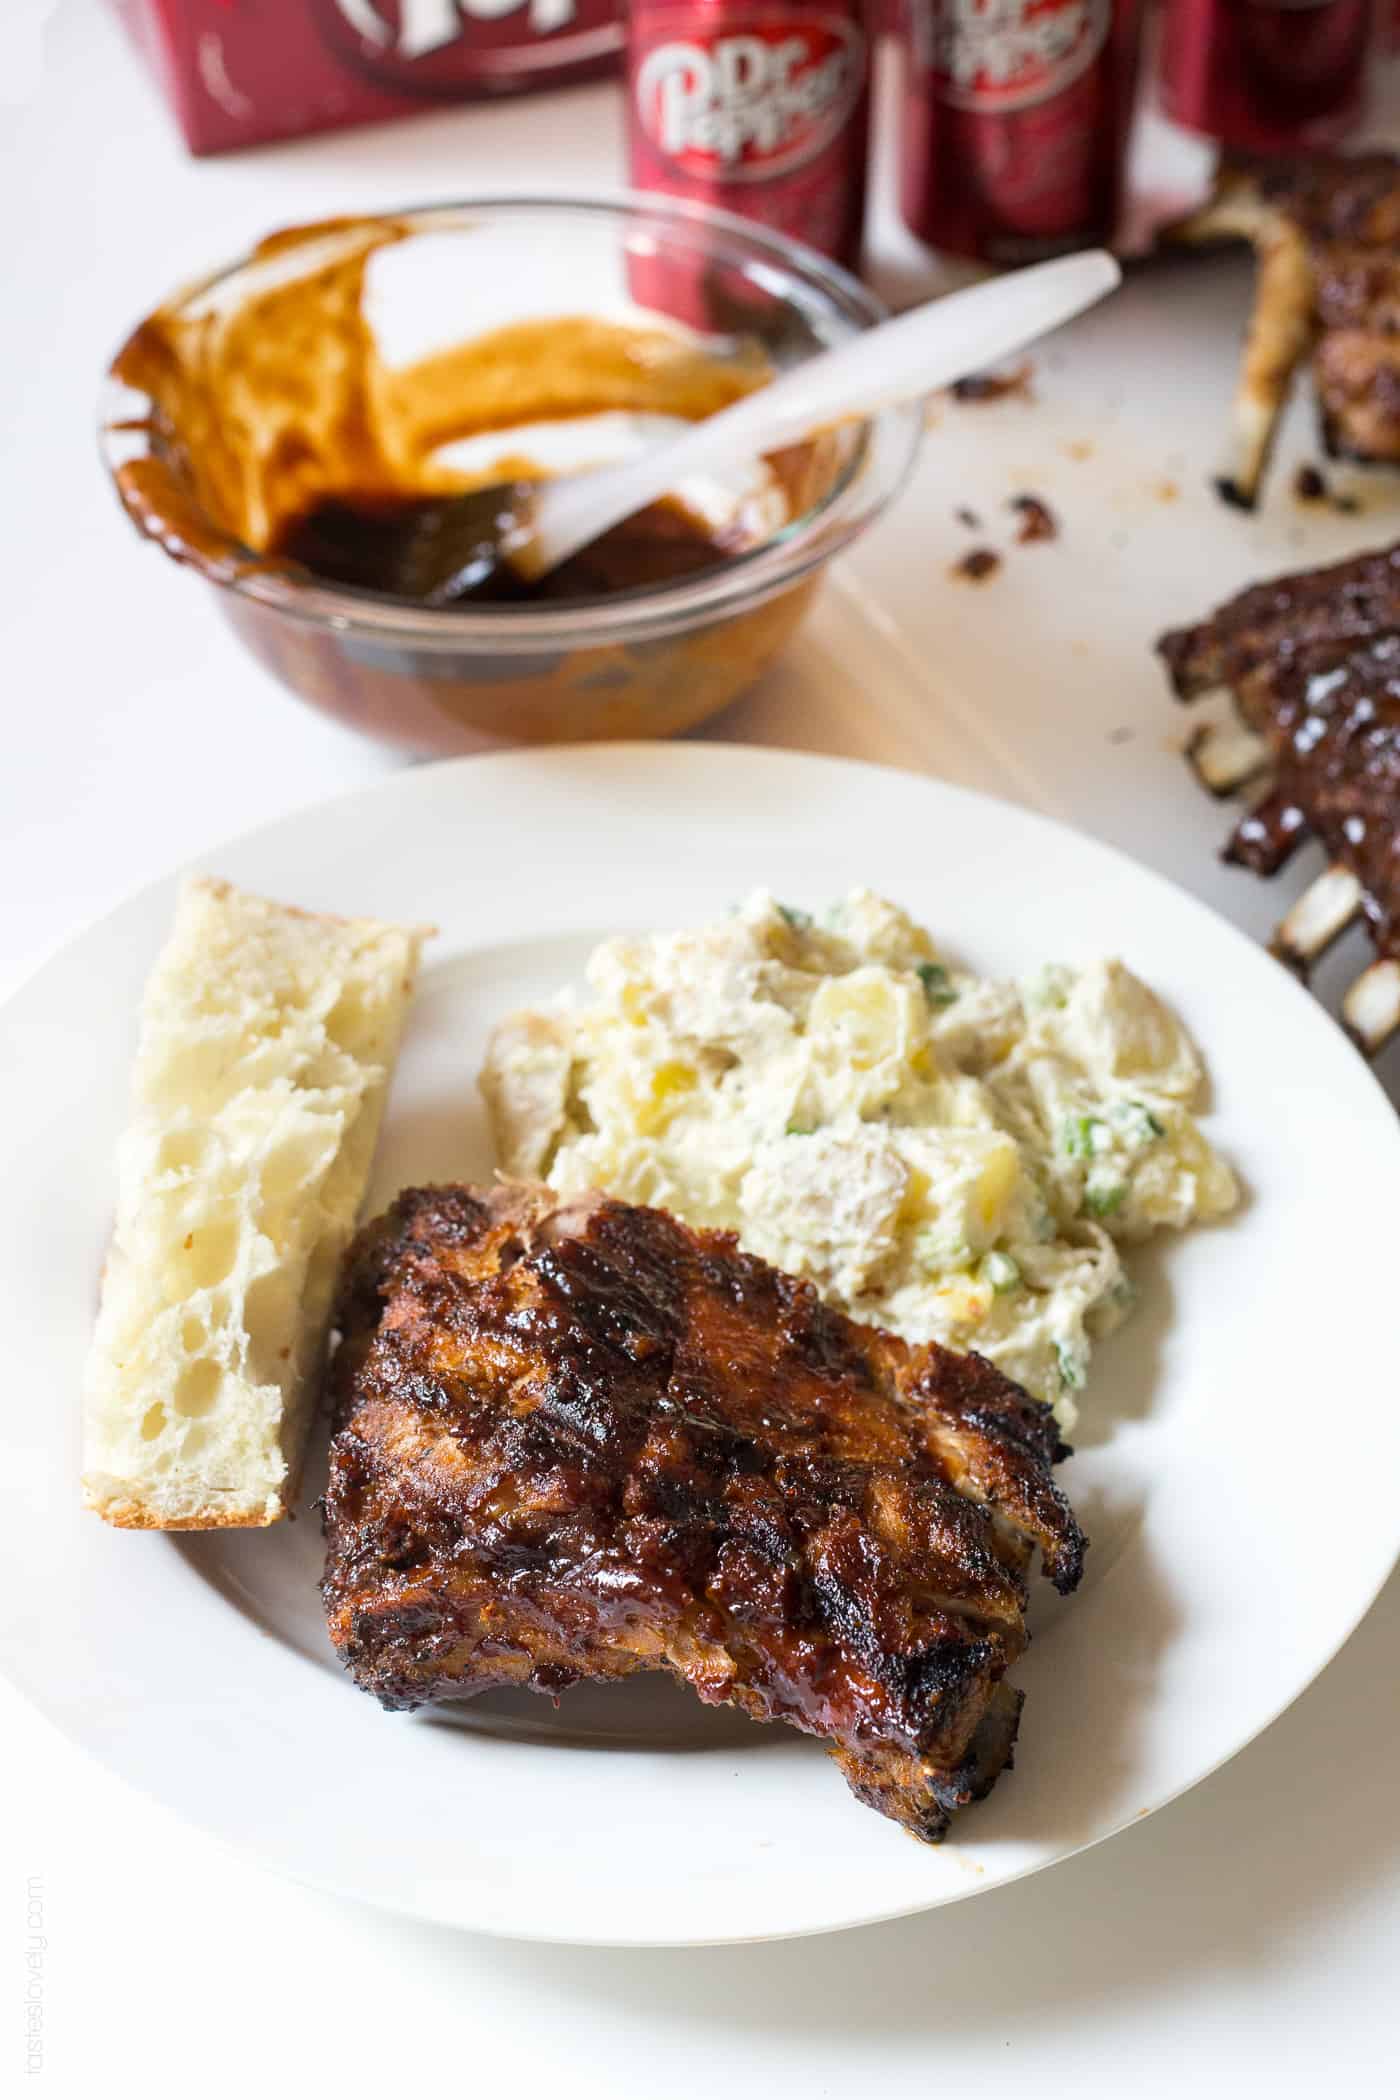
(1224, 755)
(1323, 228)
(1325, 909)
(1280, 330)
(1371, 1008)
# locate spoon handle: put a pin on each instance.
(928, 347)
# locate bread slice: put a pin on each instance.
(268, 1037)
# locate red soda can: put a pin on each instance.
(760, 107)
(1014, 123)
(1263, 76)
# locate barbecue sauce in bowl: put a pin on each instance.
(279, 455)
(370, 543)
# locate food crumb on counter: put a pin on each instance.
(1038, 521)
(994, 386)
(1079, 448)
(1310, 485)
(1167, 491)
(977, 565)
(968, 517)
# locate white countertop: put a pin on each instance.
(1246, 1938)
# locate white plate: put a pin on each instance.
(1238, 1453)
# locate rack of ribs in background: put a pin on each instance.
(1326, 230)
(1313, 663)
(575, 1438)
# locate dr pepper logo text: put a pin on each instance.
(1005, 54)
(431, 46)
(752, 100)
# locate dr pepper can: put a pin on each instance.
(760, 107)
(1266, 76)
(1014, 121)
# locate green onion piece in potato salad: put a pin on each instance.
(1083, 1136)
(938, 986)
(1138, 1123)
(1071, 1368)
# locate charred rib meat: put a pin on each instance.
(1313, 662)
(1326, 230)
(1245, 643)
(576, 1438)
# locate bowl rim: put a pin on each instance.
(651, 611)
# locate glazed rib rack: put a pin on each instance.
(1312, 661)
(1326, 231)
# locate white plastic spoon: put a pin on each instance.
(448, 552)
(898, 360)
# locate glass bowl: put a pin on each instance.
(648, 661)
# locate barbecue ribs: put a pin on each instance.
(576, 1439)
(1326, 229)
(1313, 662)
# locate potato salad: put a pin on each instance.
(942, 1155)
